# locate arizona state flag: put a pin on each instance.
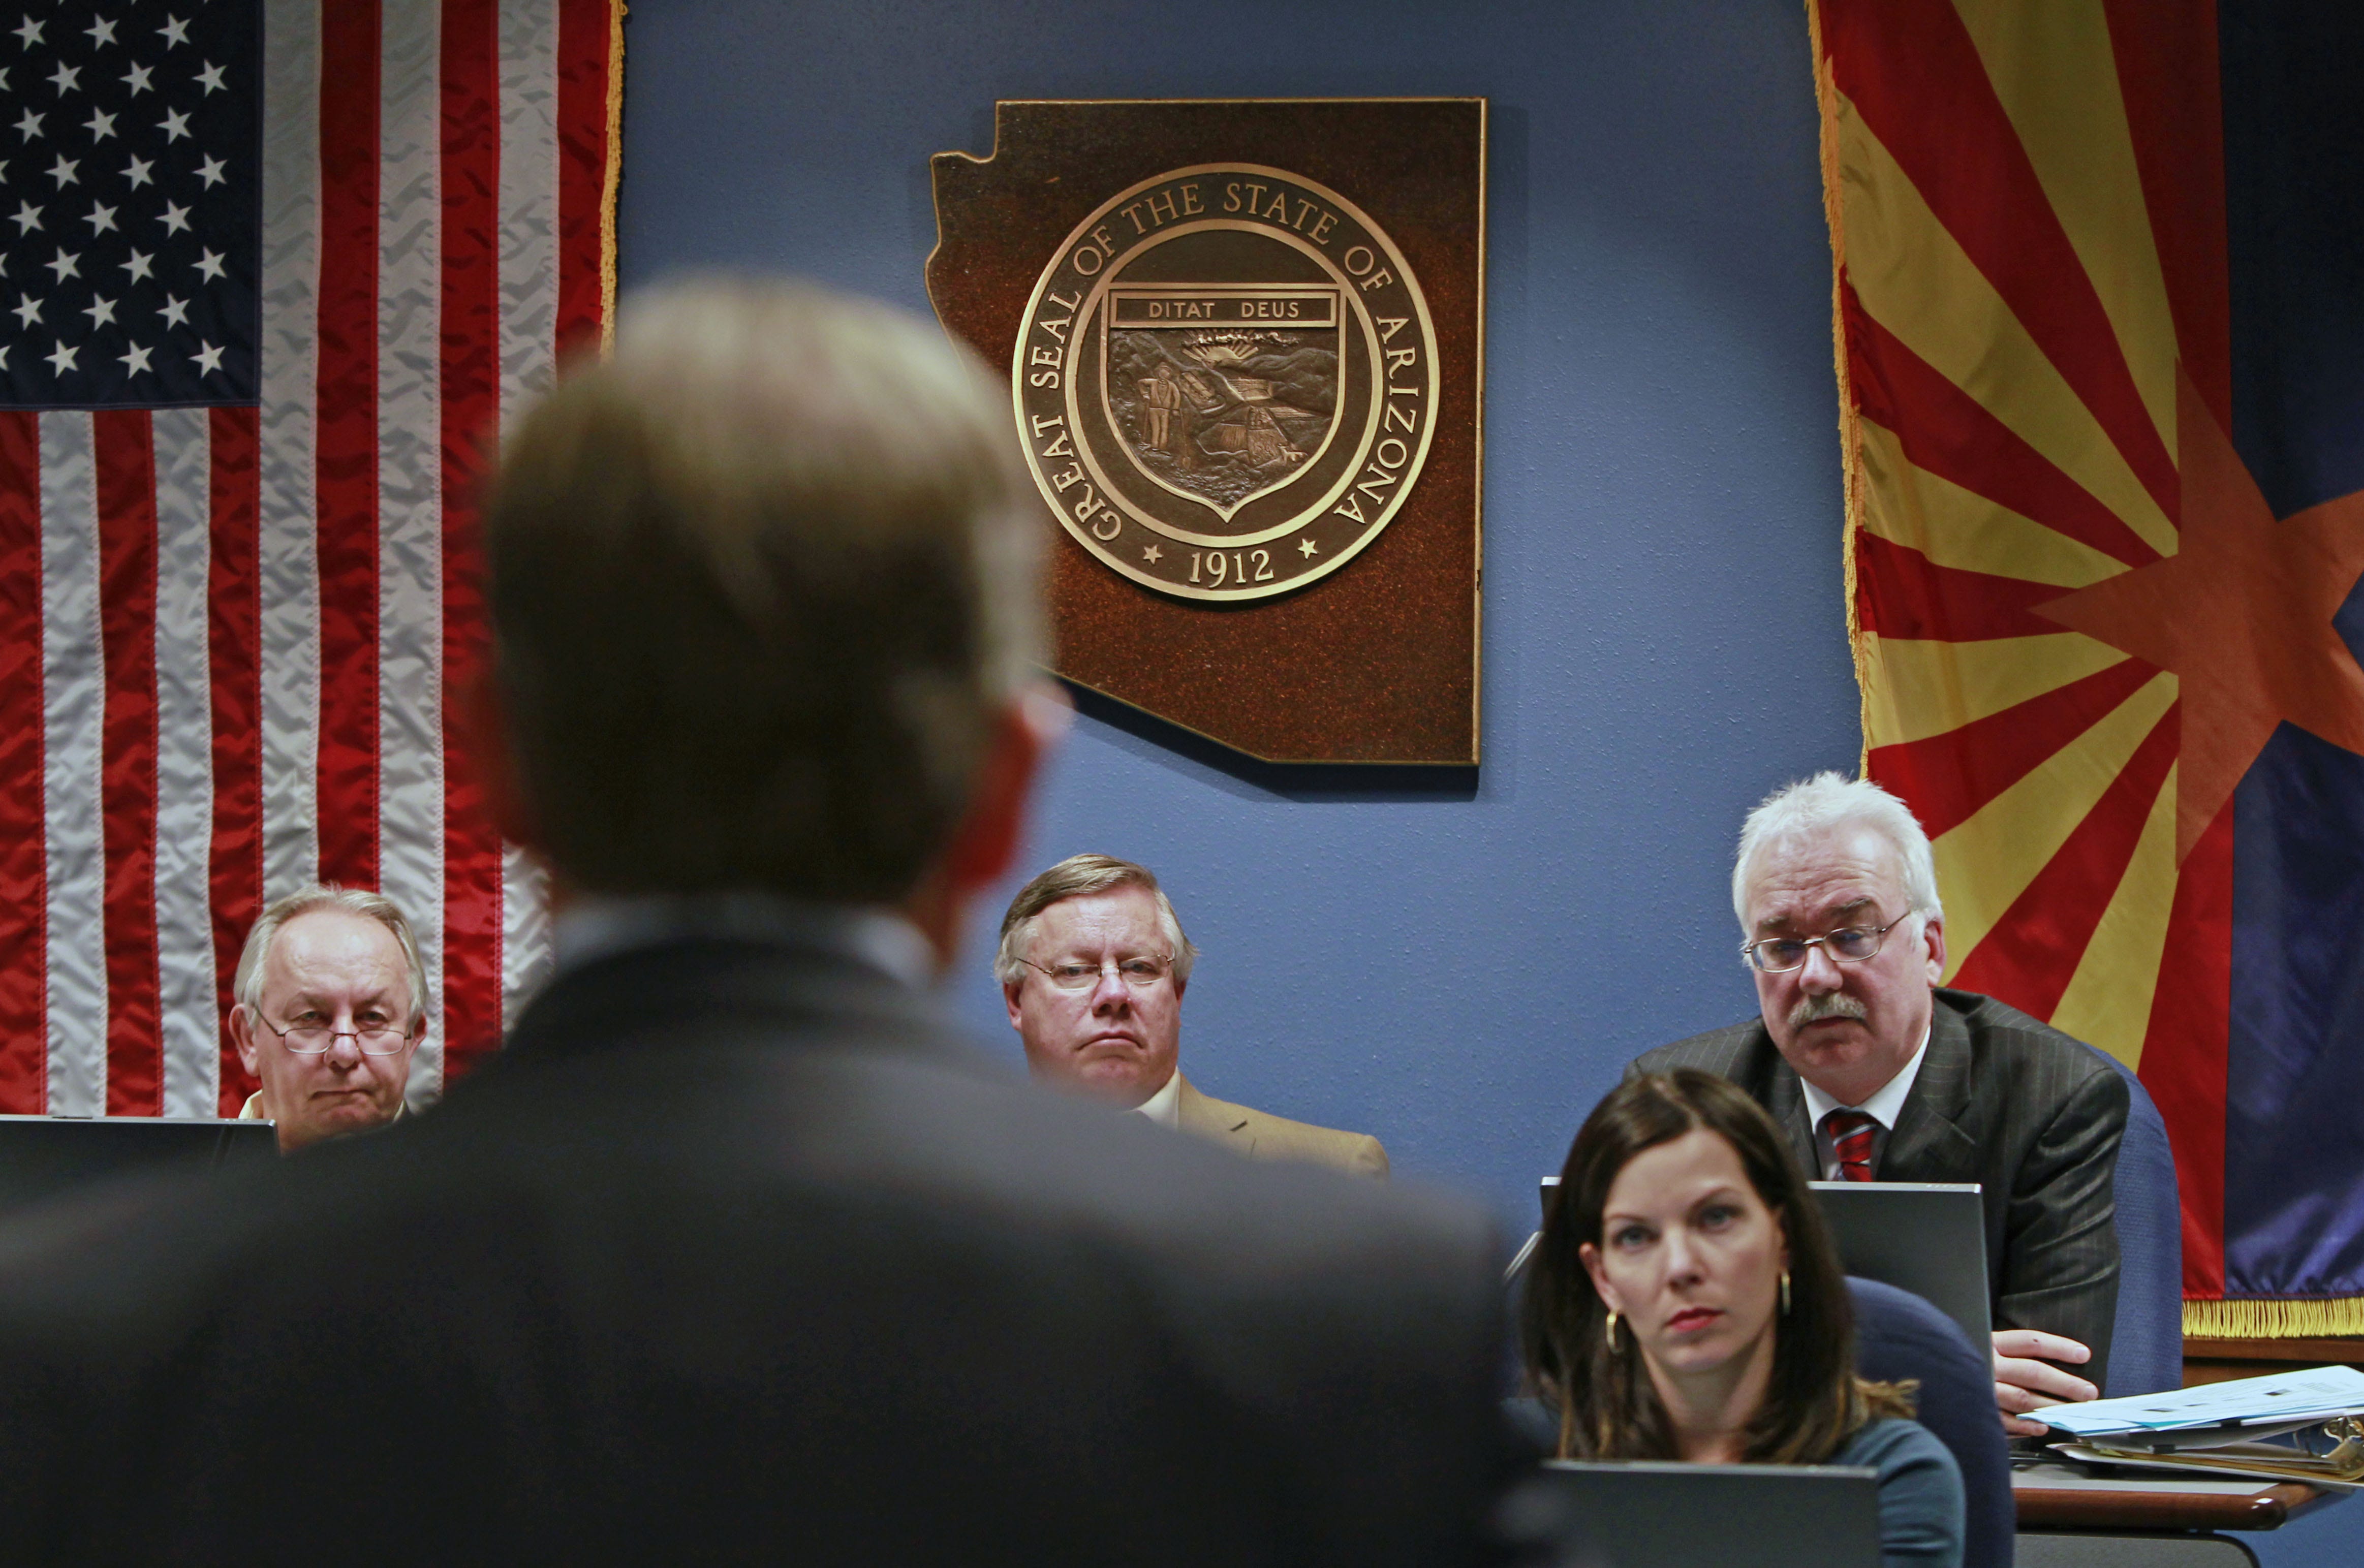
(2099, 312)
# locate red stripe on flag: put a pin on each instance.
(2032, 951)
(124, 451)
(2168, 75)
(471, 406)
(2186, 1049)
(234, 653)
(23, 862)
(1912, 70)
(346, 443)
(1946, 778)
(1947, 432)
(584, 31)
(1902, 592)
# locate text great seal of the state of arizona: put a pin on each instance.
(1226, 381)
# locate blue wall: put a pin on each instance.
(1461, 971)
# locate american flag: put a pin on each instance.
(272, 274)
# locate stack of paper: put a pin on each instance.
(2217, 1426)
(2284, 1401)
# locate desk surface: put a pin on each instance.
(2052, 1498)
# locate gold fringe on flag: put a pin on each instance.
(613, 174)
(2323, 1318)
(1850, 425)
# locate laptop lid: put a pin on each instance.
(1633, 1514)
(1925, 1237)
(42, 1157)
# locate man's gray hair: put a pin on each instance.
(247, 983)
(1829, 801)
(1078, 876)
(761, 584)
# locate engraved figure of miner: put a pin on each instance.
(1161, 402)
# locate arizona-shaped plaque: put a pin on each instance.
(1245, 343)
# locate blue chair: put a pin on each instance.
(1899, 1336)
(2147, 1336)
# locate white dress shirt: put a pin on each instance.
(1883, 1108)
(1163, 1107)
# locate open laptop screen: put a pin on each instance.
(42, 1157)
(1707, 1516)
(1925, 1237)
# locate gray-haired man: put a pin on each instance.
(1876, 1073)
(331, 1003)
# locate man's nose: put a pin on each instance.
(1109, 993)
(1819, 975)
(345, 1044)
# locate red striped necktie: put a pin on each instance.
(1852, 1134)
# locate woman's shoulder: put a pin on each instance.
(1891, 1444)
(1919, 1492)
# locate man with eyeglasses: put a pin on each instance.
(331, 1003)
(1092, 965)
(1878, 1074)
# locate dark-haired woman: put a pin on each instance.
(1686, 1303)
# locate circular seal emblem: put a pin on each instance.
(1226, 381)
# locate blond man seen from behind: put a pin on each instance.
(331, 1004)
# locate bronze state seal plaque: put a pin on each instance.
(1244, 348)
(1227, 382)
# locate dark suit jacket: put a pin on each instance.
(735, 1255)
(2002, 1100)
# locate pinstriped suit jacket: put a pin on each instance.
(2002, 1100)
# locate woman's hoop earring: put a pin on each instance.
(1785, 1293)
(1613, 1329)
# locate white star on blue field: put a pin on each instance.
(131, 199)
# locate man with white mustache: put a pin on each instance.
(1876, 1073)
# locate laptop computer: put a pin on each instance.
(1633, 1514)
(42, 1157)
(1928, 1237)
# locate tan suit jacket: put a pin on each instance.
(1262, 1136)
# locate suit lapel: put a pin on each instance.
(1929, 1144)
(1785, 1101)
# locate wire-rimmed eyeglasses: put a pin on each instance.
(311, 1040)
(1139, 972)
(1848, 944)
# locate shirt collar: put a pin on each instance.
(1884, 1106)
(1165, 1106)
(594, 928)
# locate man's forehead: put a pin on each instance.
(333, 939)
(1111, 909)
(1813, 877)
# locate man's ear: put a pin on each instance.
(986, 843)
(1009, 1000)
(1933, 933)
(983, 845)
(242, 1034)
(485, 721)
